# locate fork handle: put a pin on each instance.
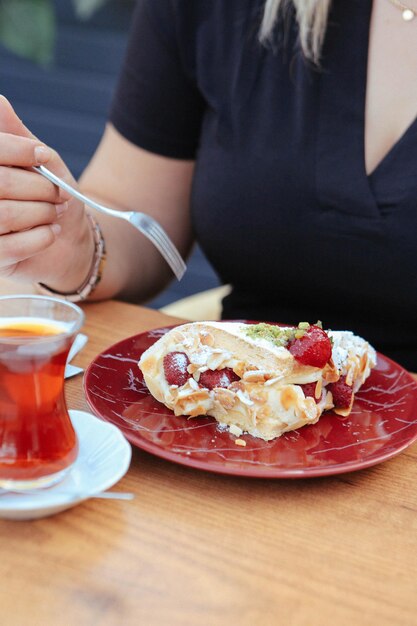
(41, 169)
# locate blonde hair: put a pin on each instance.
(312, 22)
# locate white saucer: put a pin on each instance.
(104, 457)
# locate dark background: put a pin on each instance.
(66, 104)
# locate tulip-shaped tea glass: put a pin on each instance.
(38, 444)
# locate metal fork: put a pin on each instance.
(144, 223)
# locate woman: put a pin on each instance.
(292, 160)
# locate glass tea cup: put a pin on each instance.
(38, 444)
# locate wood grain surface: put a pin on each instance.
(196, 548)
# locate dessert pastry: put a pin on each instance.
(260, 379)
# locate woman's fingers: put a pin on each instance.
(19, 184)
(16, 216)
(10, 121)
(17, 247)
(18, 152)
(22, 152)
(30, 204)
(20, 148)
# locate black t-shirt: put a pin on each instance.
(281, 203)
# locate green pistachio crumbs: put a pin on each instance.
(276, 334)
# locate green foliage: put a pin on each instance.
(27, 27)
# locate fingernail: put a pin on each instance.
(61, 208)
(56, 229)
(42, 154)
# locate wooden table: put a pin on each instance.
(196, 548)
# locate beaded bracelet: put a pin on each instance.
(95, 273)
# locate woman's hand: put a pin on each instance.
(45, 235)
(40, 225)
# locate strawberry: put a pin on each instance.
(309, 391)
(175, 368)
(341, 392)
(218, 378)
(313, 348)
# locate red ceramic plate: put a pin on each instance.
(383, 422)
